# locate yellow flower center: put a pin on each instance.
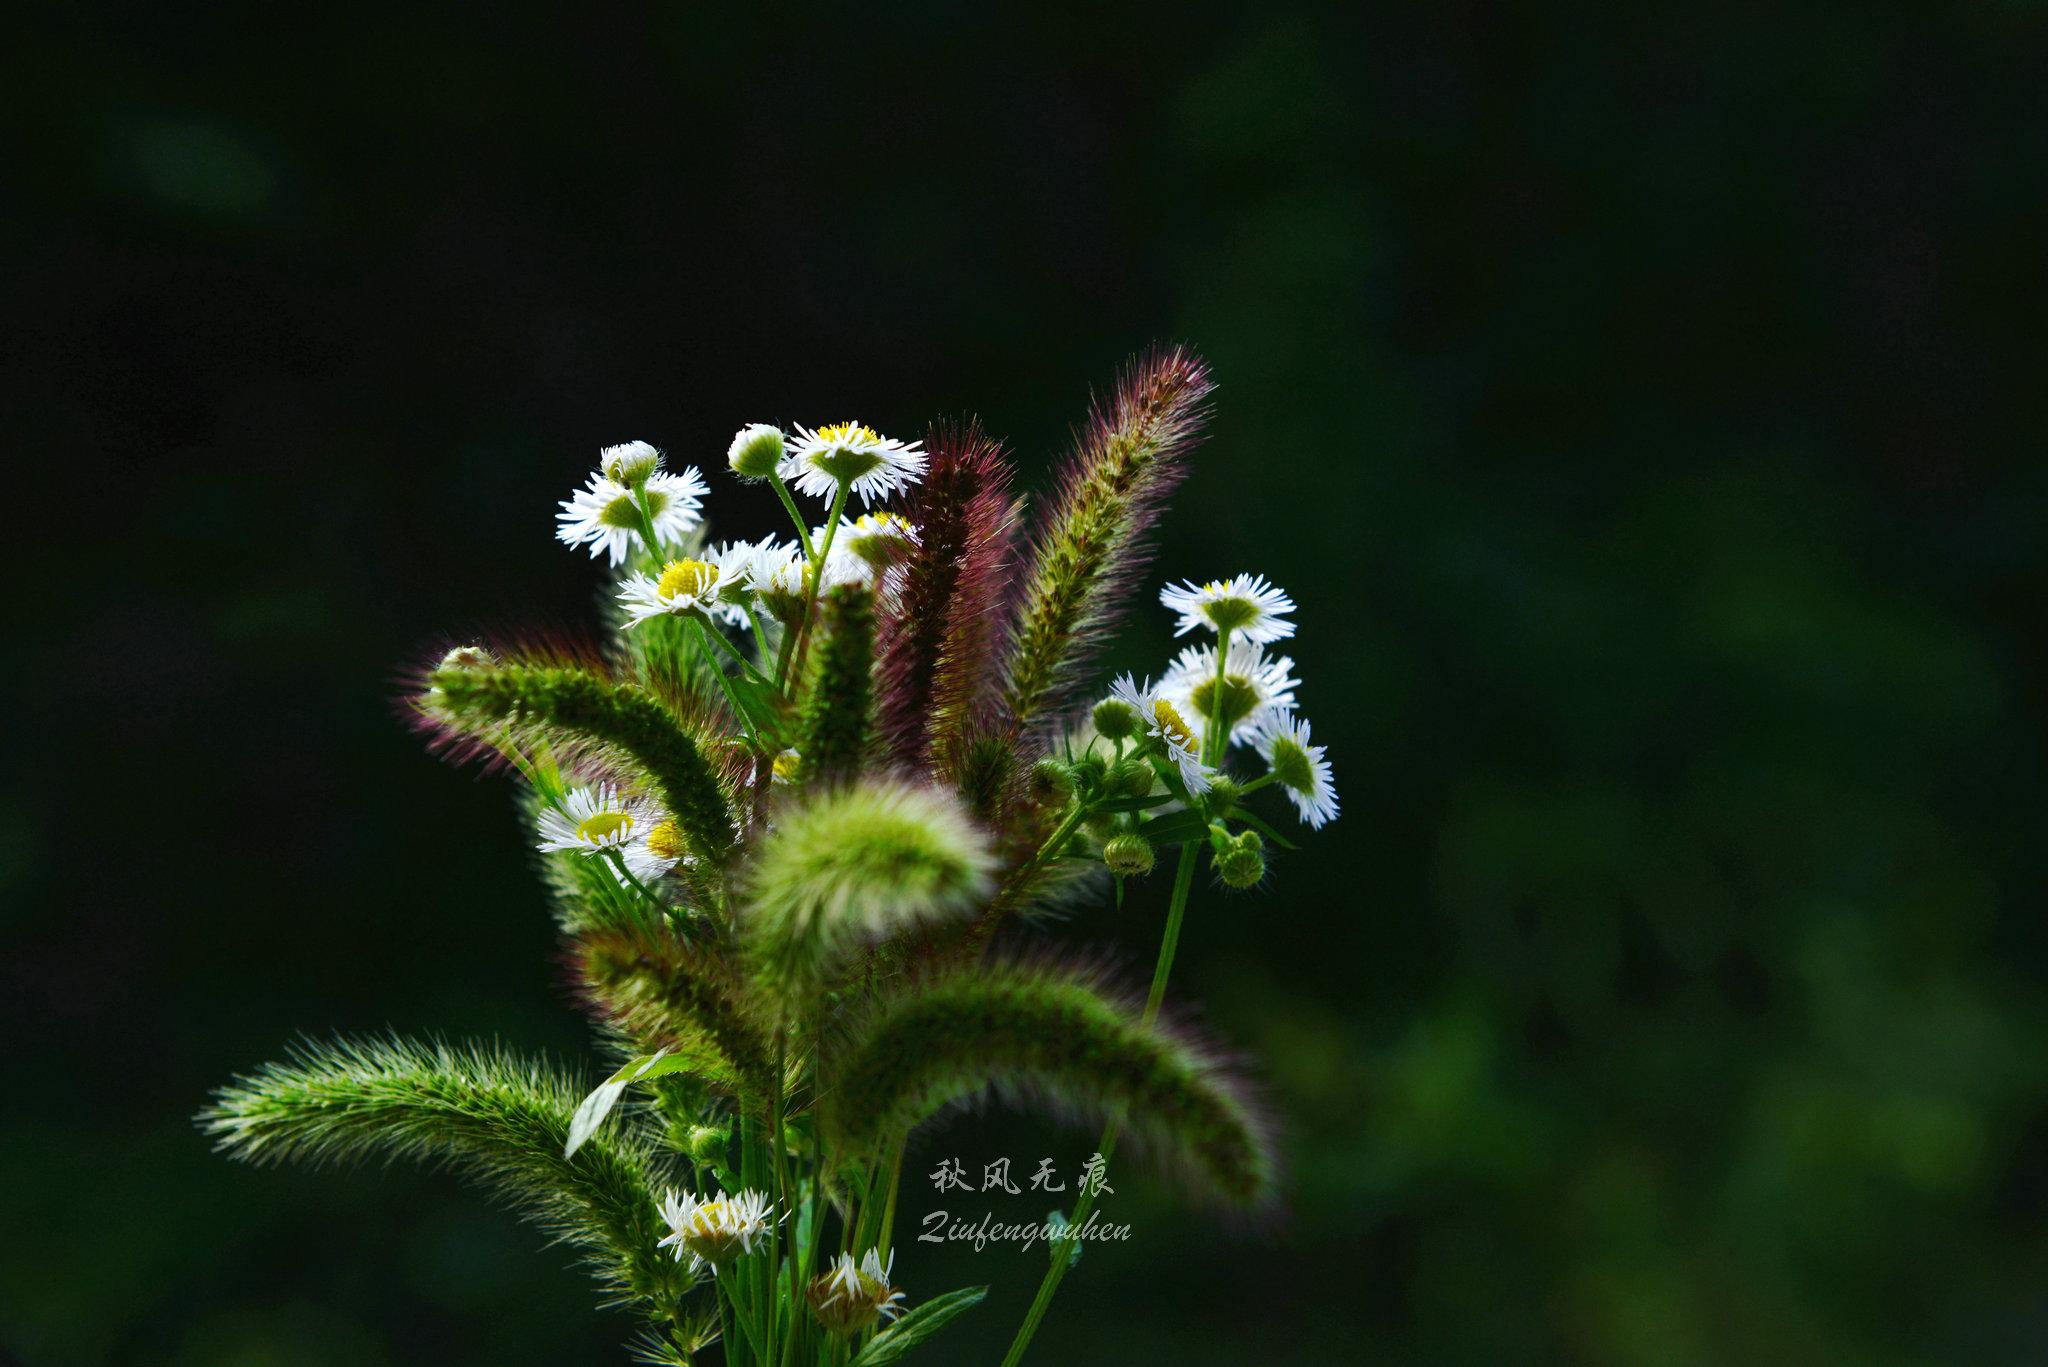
(604, 827)
(1173, 724)
(787, 763)
(666, 841)
(686, 578)
(848, 432)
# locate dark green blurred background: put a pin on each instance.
(1644, 405)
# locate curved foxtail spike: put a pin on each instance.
(498, 1119)
(598, 709)
(848, 866)
(664, 992)
(1091, 545)
(1050, 1033)
(947, 619)
(836, 717)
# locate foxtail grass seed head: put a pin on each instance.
(1244, 605)
(1253, 688)
(1163, 725)
(1128, 855)
(629, 464)
(606, 515)
(719, 1230)
(1299, 767)
(755, 451)
(854, 863)
(1242, 862)
(849, 453)
(468, 657)
(847, 1296)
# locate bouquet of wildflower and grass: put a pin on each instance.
(784, 813)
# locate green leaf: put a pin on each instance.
(595, 1107)
(1132, 804)
(1175, 827)
(920, 1324)
(1263, 829)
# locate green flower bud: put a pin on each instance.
(1130, 778)
(756, 451)
(1089, 771)
(629, 464)
(1052, 783)
(706, 1144)
(1241, 864)
(1128, 855)
(1115, 719)
(1221, 799)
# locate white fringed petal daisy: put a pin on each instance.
(1161, 720)
(876, 466)
(1253, 687)
(719, 1230)
(1246, 606)
(735, 585)
(1298, 767)
(605, 515)
(849, 1296)
(683, 587)
(880, 539)
(600, 820)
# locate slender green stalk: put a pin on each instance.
(724, 684)
(1019, 883)
(1217, 740)
(803, 533)
(814, 582)
(1183, 882)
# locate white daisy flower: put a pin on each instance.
(875, 465)
(1161, 720)
(606, 515)
(601, 820)
(880, 539)
(682, 587)
(1253, 687)
(734, 584)
(1245, 606)
(718, 1230)
(847, 1296)
(1299, 767)
(843, 564)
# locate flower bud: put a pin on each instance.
(1131, 778)
(1128, 855)
(1052, 783)
(1221, 799)
(706, 1144)
(629, 464)
(756, 451)
(1115, 719)
(1241, 863)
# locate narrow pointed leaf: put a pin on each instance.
(918, 1325)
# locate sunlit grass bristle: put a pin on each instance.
(838, 712)
(947, 621)
(1091, 544)
(495, 1118)
(849, 866)
(666, 992)
(1052, 1036)
(580, 704)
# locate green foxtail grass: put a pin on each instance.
(796, 816)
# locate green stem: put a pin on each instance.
(1217, 740)
(814, 582)
(1062, 1251)
(998, 906)
(647, 532)
(803, 533)
(618, 857)
(704, 630)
